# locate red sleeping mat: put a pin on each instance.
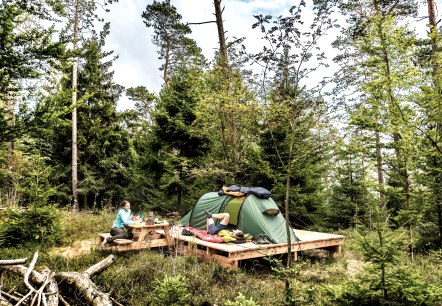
(201, 234)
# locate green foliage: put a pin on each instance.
(385, 281)
(25, 53)
(104, 147)
(135, 278)
(172, 290)
(241, 300)
(39, 225)
(32, 175)
(169, 36)
(403, 288)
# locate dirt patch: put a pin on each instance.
(78, 248)
(354, 267)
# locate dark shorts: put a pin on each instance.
(213, 229)
(119, 233)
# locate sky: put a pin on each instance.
(131, 39)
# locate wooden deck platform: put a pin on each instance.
(229, 254)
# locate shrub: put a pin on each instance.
(240, 300)
(171, 291)
(37, 224)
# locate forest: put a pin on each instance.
(359, 153)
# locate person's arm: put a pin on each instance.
(125, 217)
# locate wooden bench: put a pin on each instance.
(103, 236)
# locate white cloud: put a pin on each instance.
(138, 63)
(131, 39)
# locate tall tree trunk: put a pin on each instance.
(288, 291)
(166, 64)
(434, 43)
(74, 200)
(380, 172)
(435, 64)
(221, 37)
(397, 138)
(11, 193)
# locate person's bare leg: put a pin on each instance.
(208, 222)
(224, 217)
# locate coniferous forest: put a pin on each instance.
(358, 153)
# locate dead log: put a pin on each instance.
(35, 277)
(4, 302)
(48, 292)
(39, 279)
(84, 284)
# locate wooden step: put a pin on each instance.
(123, 241)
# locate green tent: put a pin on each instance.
(247, 214)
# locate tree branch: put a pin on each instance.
(204, 22)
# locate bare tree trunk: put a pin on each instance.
(74, 200)
(10, 114)
(435, 63)
(434, 43)
(380, 172)
(221, 37)
(166, 64)
(397, 138)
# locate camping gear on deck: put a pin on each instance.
(203, 235)
(246, 214)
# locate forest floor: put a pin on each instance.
(76, 249)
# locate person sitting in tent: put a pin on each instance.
(210, 224)
(118, 228)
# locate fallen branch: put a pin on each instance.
(10, 296)
(63, 301)
(113, 300)
(26, 280)
(39, 279)
(12, 261)
(98, 267)
(48, 293)
(84, 284)
(4, 302)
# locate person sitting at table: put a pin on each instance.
(118, 230)
(210, 223)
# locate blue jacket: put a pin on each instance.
(123, 218)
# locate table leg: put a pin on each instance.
(168, 236)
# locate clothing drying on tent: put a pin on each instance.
(237, 191)
(251, 214)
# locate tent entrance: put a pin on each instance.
(233, 207)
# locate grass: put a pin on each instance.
(134, 277)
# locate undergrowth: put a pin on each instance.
(152, 277)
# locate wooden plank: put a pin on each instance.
(244, 247)
(122, 241)
(229, 254)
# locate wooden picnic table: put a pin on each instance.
(145, 236)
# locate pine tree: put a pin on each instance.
(80, 17)
(169, 35)
(105, 151)
(180, 142)
(27, 52)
